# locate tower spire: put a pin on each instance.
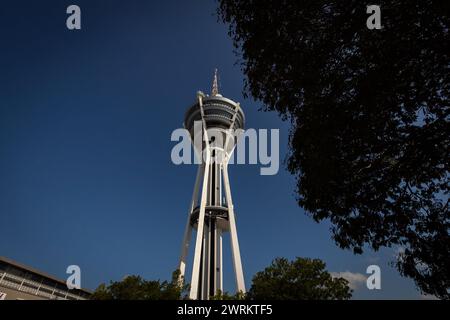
(215, 85)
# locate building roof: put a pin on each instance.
(39, 273)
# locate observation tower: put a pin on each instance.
(212, 122)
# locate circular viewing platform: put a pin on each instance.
(219, 213)
(219, 113)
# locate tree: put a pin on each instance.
(369, 142)
(136, 288)
(301, 279)
(226, 296)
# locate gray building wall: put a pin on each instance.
(18, 295)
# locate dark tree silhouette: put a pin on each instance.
(301, 279)
(369, 109)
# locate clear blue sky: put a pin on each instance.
(85, 123)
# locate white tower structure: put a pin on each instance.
(211, 122)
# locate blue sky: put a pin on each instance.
(85, 122)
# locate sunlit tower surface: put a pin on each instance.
(211, 212)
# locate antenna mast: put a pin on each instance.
(215, 85)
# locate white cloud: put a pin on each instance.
(355, 280)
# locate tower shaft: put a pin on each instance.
(211, 276)
(215, 206)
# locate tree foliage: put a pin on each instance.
(301, 279)
(369, 142)
(136, 288)
(226, 296)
